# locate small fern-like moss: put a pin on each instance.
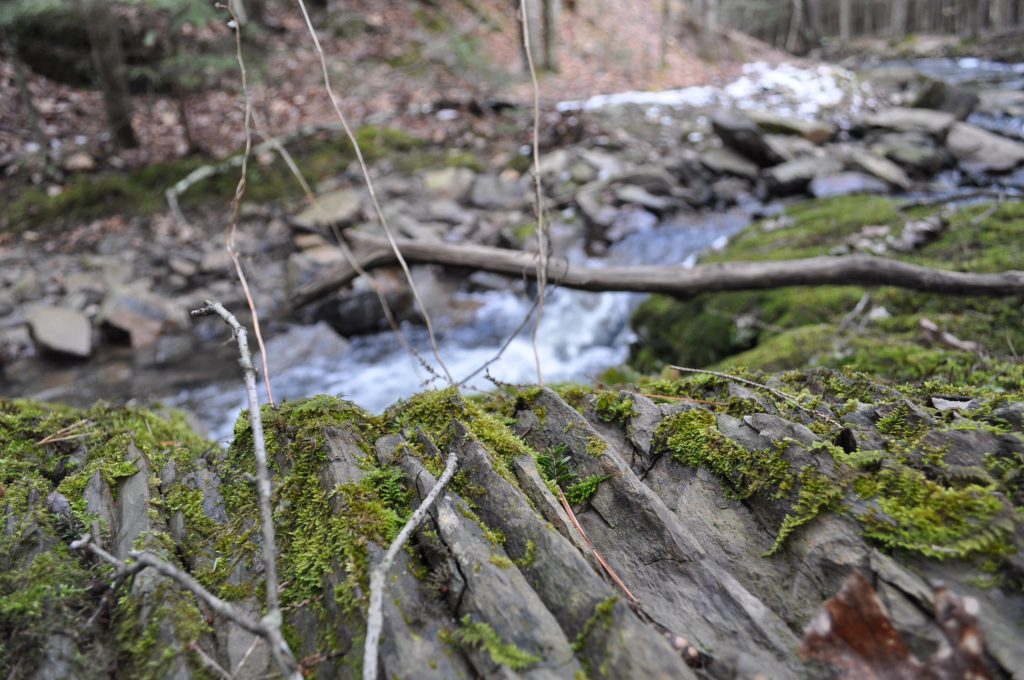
(479, 634)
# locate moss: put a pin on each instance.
(478, 634)
(529, 557)
(817, 493)
(596, 446)
(612, 407)
(602, 617)
(581, 492)
(693, 439)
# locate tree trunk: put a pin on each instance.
(796, 21)
(845, 19)
(21, 79)
(108, 62)
(666, 22)
(551, 11)
(372, 252)
(898, 18)
(533, 19)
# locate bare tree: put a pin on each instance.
(108, 62)
(551, 11)
(845, 20)
(898, 15)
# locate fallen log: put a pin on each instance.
(863, 270)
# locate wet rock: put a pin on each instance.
(358, 312)
(60, 330)
(492, 192)
(793, 177)
(731, 191)
(982, 151)
(865, 161)
(816, 132)
(724, 161)
(742, 135)
(635, 195)
(845, 183)
(340, 207)
(939, 95)
(1002, 102)
(139, 315)
(790, 147)
(934, 123)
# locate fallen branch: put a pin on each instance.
(378, 576)
(865, 270)
(272, 620)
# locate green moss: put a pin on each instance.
(693, 439)
(582, 491)
(601, 618)
(817, 493)
(478, 634)
(613, 407)
(596, 446)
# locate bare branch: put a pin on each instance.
(365, 170)
(378, 576)
(538, 206)
(236, 204)
(272, 620)
(864, 270)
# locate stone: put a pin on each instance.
(793, 177)
(982, 151)
(941, 96)
(724, 161)
(132, 506)
(816, 132)
(742, 135)
(139, 315)
(451, 183)
(913, 150)
(635, 195)
(27, 286)
(340, 207)
(603, 162)
(494, 193)
(845, 183)
(79, 162)
(1002, 102)
(60, 330)
(934, 123)
(865, 161)
(791, 147)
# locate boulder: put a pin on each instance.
(981, 151)
(863, 160)
(791, 147)
(340, 207)
(742, 135)
(495, 193)
(724, 161)
(941, 96)
(634, 195)
(1002, 102)
(139, 315)
(817, 132)
(845, 183)
(935, 123)
(915, 151)
(793, 177)
(452, 183)
(60, 330)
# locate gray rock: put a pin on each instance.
(724, 161)
(635, 195)
(939, 95)
(1002, 102)
(341, 207)
(140, 315)
(61, 659)
(494, 193)
(60, 330)
(793, 177)
(100, 502)
(935, 123)
(914, 150)
(982, 151)
(865, 161)
(846, 183)
(449, 183)
(816, 132)
(790, 147)
(742, 135)
(27, 286)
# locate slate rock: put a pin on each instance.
(742, 135)
(982, 151)
(60, 330)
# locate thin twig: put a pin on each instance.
(501, 350)
(600, 559)
(855, 312)
(236, 204)
(542, 232)
(64, 433)
(378, 576)
(208, 661)
(365, 170)
(272, 620)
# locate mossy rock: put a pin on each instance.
(789, 328)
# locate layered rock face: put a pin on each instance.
(728, 512)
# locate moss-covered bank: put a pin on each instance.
(795, 327)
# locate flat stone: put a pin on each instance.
(725, 161)
(794, 176)
(982, 151)
(342, 207)
(493, 192)
(935, 123)
(634, 195)
(846, 183)
(742, 135)
(140, 315)
(448, 182)
(865, 161)
(791, 147)
(817, 132)
(913, 150)
(61, 330)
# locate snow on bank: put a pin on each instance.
(785, 89)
